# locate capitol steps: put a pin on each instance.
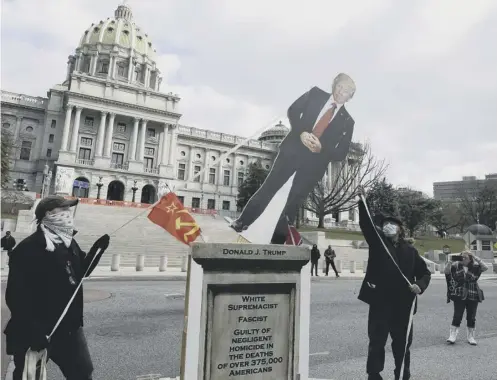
(140, 236)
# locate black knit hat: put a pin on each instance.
(391, 218)
(52, 202)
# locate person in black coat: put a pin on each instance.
(8, 242)
(45, 270)
(388, 294)
(321, 132)
(315, 256)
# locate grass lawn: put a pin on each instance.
(422, 244)
(9, 216)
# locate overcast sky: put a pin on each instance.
(425, 70)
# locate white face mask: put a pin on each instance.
(58, 228)
(390, 229)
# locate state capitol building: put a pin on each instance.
(110, 123)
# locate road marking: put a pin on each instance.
(320, 353)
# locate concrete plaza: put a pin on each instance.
(134, 329)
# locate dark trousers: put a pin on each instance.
(308, 171)
(70, 352)
(384, 320)
(332, 263)
(314, 267)
(470, 307)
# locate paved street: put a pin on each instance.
(137, 331)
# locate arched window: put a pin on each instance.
(6, 125)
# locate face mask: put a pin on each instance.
(58, 228)
(390, 229)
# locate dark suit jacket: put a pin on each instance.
(303, 113)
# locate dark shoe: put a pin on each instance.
(238, 226)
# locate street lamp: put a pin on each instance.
(99, 185)
(134, 189)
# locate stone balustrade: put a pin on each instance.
(22, 99)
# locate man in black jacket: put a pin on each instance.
(388, 294)
(45, 270)
(315, 256)
(321, 132)
(8, 242)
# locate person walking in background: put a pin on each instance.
(330, 255)
(45, 270)
(8, 243)
(315, 256)
(386, 291)
(462, 278)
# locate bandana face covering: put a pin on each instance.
(390, 230)
(58, 228)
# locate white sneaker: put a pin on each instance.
(453, 334)
(471, 336)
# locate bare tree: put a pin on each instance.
(479, 205)
(15, 200)
(337, 192)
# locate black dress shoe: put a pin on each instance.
(238, 226)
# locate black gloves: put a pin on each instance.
(39, 342)
(102, 243)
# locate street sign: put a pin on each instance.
(81, 184)
(468, 239)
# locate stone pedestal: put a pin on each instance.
(253, 322)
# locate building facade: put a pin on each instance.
(452, 191)
(109, 132)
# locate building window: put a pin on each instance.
(226, 179)
(241, 177)
(49, 153)
(212, 176)
(195, 202)
(181, 199)
(241, 163)
(213, 158)
(228, 160)
(54, 124)
(51, 138)
(183, 154)
(6, 125)
(120, 147)
(486, 245)
(29, 129)
(122, 69)
(226, 205)
(198, 155)
(86, 141)
(84, 154)
(211, 204)
(121, 127)
(150, 132)
(267, 167)
(26, 150)
(352, 215)
(196, 170)
(104, 67)
(117, 158)
(181, 171)
(89, 121)
(149, 162)
(149, 151)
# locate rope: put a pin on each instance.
(411, 314)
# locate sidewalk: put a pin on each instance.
(175, 274)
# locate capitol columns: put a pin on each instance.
(134, 140)
(101, 134)
(143, 136)
(165, 140)
(110, 132)
(67, 126)
(172, 145)
(75, 129)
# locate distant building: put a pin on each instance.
(453, 190)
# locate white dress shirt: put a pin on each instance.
(326, 107)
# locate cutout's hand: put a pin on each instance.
(311, 142)
(415, 289)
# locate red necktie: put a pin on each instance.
(322, 124)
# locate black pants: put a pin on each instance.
(314, 267)
(470, 307)
(308, 168)
(384, 320)
(332, 263)
(70, 352)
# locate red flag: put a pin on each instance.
(293, 237)
(170, 214)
